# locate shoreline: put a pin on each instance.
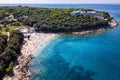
(91, 31)
(21, 71)
(111, 24)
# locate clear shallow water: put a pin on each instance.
(88, 57)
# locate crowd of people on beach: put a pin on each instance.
(21, 71)
(35, 40)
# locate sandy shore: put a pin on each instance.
(21, 71)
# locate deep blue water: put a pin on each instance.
(87, 57)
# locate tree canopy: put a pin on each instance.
(54, 19)
(9, 51)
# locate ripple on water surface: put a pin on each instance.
(89, 57)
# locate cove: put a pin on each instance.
(86, 57)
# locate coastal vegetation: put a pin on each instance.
(52, 19)
(4, 30)
(55, 20)
(9, 50)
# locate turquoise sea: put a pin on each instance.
(86, 57)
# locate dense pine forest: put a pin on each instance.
(9, 50)
(52, 19)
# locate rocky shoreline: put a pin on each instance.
(112, 24)
(21, 71)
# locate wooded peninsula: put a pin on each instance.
(54, 19)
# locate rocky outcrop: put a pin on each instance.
(111, 24)
(21, 71)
